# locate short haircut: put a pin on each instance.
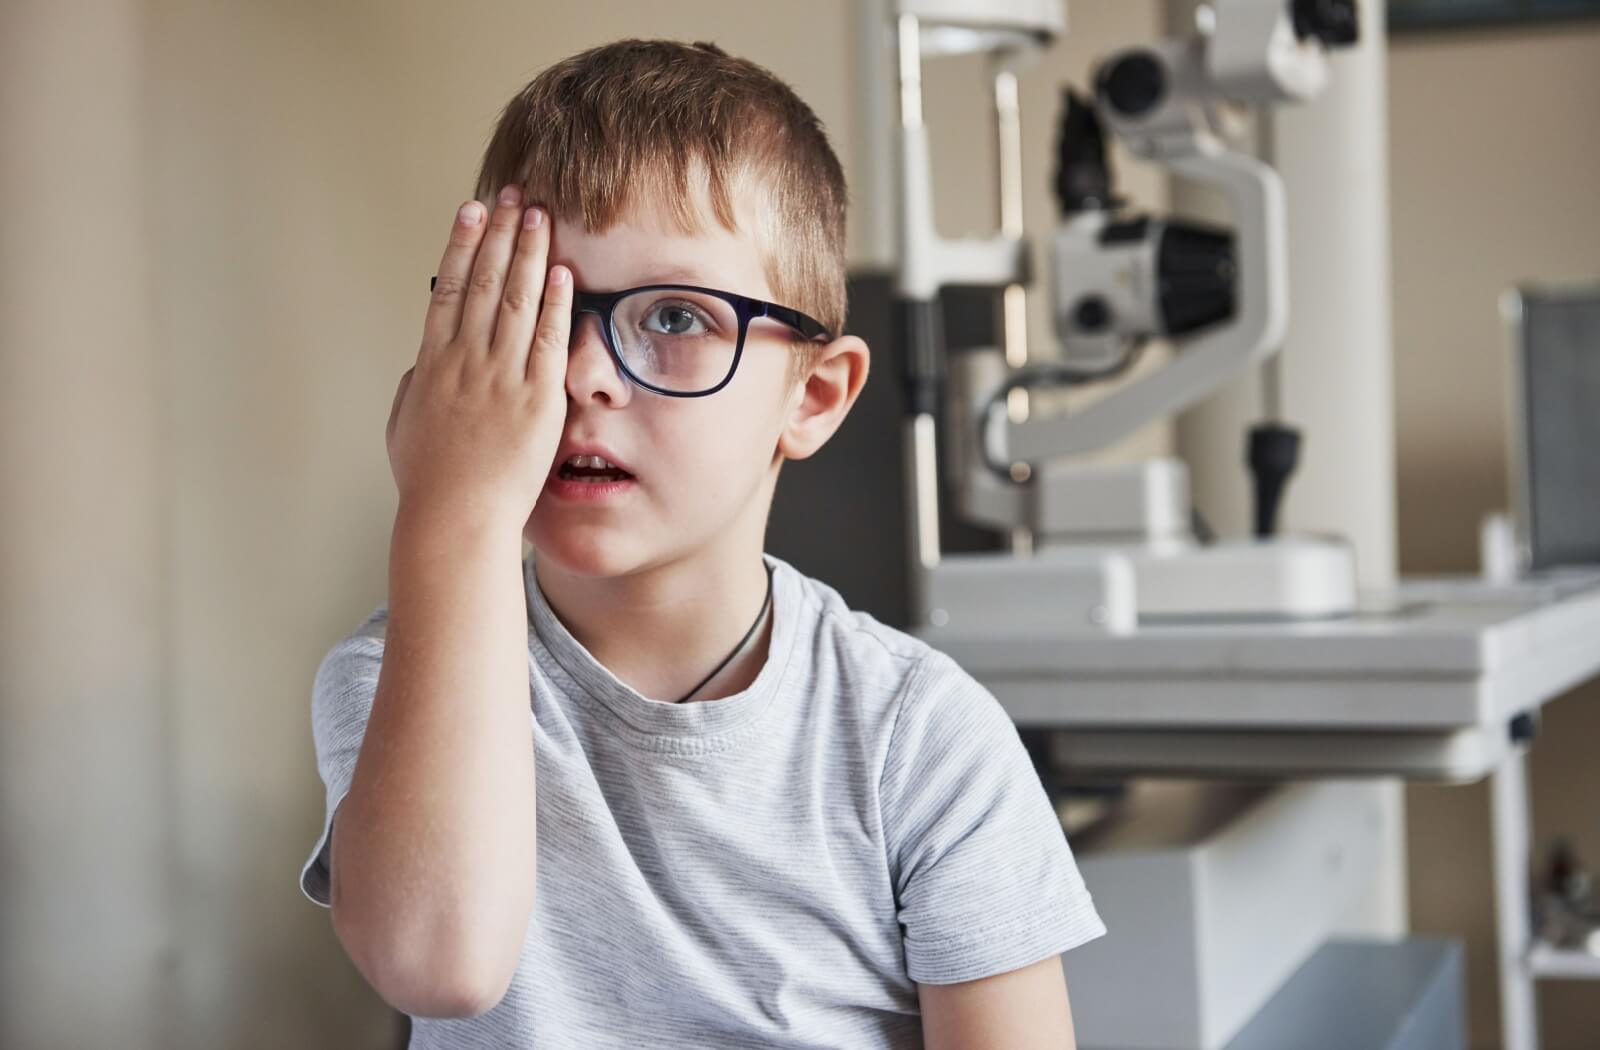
(642, 120)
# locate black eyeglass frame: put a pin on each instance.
(602, 305)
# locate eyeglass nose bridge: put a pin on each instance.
(601, 305)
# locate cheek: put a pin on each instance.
(713, 448)
(733, 433)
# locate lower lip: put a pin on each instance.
(587, 491)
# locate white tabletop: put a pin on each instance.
(1435, 655)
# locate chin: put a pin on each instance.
(584, 550)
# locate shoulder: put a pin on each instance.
(350, 666)
(365, 639)
(903, 669)
(853, 641)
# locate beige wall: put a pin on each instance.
(85, 915)
(1494, 150)
(220, 220)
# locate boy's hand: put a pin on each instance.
(477, 420)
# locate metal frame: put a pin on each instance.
(1513, 317)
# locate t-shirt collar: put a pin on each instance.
(661, 719)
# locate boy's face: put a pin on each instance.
(703, 467)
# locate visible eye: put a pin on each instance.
(675, 317)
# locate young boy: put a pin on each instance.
(650, 786)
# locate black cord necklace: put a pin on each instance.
(762, 615)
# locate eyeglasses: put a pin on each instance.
(681, 340)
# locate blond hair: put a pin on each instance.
(597, 133)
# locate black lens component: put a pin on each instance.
(1333, 22)
(1092, 315)
(1132, 83)
(1195, 275)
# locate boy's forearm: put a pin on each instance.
(433, 855)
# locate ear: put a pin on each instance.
(823, 398)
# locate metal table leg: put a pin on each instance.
(1509, 819)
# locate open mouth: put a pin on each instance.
(591, 469)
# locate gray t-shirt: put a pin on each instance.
(774, 868)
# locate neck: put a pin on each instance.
(663, 629)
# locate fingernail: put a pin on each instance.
(510, 196)
(469, 214)
(558, 275)
(532, 218)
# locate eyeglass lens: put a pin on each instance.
(677, 340)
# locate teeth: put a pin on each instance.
(591, 463)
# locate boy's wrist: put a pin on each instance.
(455, 527)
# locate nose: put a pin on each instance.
(592, 373)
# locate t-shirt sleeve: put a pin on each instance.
(341, 701)
(984, 879)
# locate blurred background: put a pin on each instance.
(219, 224)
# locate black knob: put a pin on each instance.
(1271, 454)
